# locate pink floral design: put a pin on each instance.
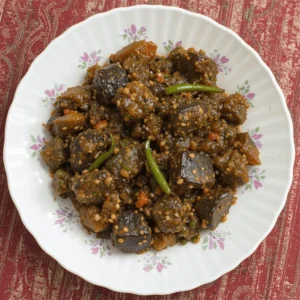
(154, 261)
(37, 146)
(256, 178)
(87, 60)
(99, 246)
(215, 240)
(169, 46)
(256, 136)
(244, 90)
(133, 34)
(221, 62)
(52, 94)
(66, 217)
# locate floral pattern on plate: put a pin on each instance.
(99, 247)
(169, 45)
(133, 34)
(89, 59)
(66, 217)
(256, 136)
(256, 178)
(52, 94)
(215, 240)
(221, 61)
(244, 89)
(154, 261)
(37, 146)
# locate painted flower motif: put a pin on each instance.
(133, 34)
(37, 146)
(256, 178)
(52, 94)
(66, 217)
(215, 240)
(256, 136)
(154, 261)
(169, 46)
(221, 61)
(99, 246)
(244, 90)
(87, 60)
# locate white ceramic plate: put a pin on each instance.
(55, 224)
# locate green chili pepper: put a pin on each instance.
(186, 87)
(156, 171)
(103, 157)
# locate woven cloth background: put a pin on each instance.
(272, 28)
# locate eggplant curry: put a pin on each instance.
(149, 148)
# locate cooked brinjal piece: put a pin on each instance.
(86, 147)
(235, 109)
(137, 70)
(139, 50)
(162, 240)
(106, 82)
(195, 66)
(76, 98)
(98, 112)
(191, 170)
(213, 206)
(221, 135)
(245, 145)
(188, 118)
(169, 213)
(127, 163)
(135, 101)
(55, 153)
(93, 187)
(60, 182)
(232, 168)
(99, 219)
(149, 128)
(69, 124)
(131, 232)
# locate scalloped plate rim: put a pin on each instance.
(243, 44)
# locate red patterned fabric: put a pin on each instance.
(272, 28)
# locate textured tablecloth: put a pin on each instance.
(272, 28)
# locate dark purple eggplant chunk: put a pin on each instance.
(131, 232)
(107, 80)
(213, 206)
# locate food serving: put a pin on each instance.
(149, 148)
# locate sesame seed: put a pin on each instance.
(97, 181)
(192, 155)
(97, 217)
(140, 243)
(190, 186)
(125, 229)
(180, 181)
(116, 227)
(110, 220)
(126, 91)
(117, 206)
(141, 232)
(167, 218)
(120, 241)
(124, 173)
(156, 229)
(113, 216)
(194, 172)
(144, 241)
(108, 180)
